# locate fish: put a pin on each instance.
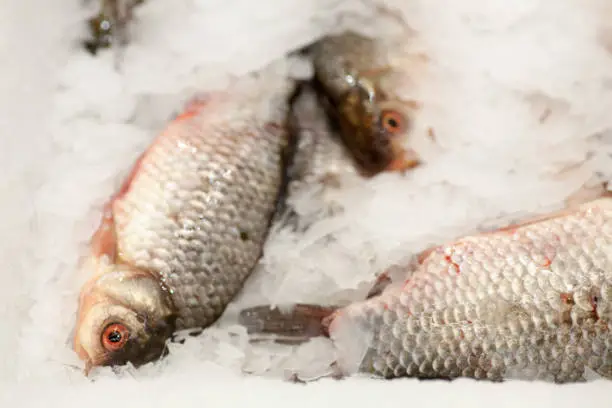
(179, 238)
(368, 85)
(530, 301)
(319, 165)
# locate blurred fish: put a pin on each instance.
(320, 163)
(186, 228)
(529, 301)
(368, 85)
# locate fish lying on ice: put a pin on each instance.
(370, 86)
(530, 301)
(319, 165)
(188, 225)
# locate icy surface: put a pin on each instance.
(518, 95)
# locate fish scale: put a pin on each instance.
(531, 302)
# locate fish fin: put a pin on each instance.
(292, 325)
(193, 106)
(382, 281)
(588, 193)
(579, 200)
(390, 276)
(104, 240)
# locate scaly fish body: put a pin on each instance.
(370, 86)
(533, 301)
(319, 153)
(187, 227)
(320, 162)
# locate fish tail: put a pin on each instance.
(288, 325)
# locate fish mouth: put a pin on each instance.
(373, 148)
(404, 160)
(375, 154)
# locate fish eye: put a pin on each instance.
(114, 336)
(392, 121)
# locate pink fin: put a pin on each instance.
(299, 324)
(588, 193)
(104, 240)
(423, 255)
(572, 204)
(512, 228)
(380, 284)
(127, 183)
(193, 106)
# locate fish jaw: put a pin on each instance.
(128, 306)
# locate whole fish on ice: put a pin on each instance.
(370, 88)
(531, 301)
(187, 227)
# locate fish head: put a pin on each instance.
(125, 316)
(375, 131)
(363, 84)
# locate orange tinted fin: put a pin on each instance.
(588, 193)
(104, 240)
(382, 281)
(193, 106)
(573, 203)
(127, 183)
(423, 255)
(295, 325)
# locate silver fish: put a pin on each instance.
(369, 84)
(319, 165)
(187, 227)
(529, 301)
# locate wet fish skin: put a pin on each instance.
(319, 162)
(365, 81)
(319, 152)
(187, 227)
(532, 301)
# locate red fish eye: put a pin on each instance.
(115, 336)
(392, 121)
